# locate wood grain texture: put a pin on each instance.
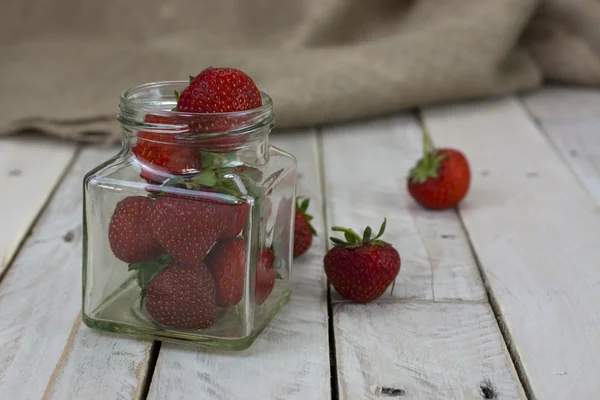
(570, 117)
(291, 358)
(366, 166)
(45, 350)
(422, 351)
(30, 168)
(535, 231)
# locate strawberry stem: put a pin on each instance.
(353, 239)
(425, 144)
(429, 165)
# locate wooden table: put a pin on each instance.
(498, 299)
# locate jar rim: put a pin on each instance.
(126, 98)
(151, 98)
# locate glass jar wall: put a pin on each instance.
(188, 230)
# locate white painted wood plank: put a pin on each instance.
(97, 364)
(291, 358)
(45, 350)
(570, 117)
(30, 168)
(365, 174)
(422, 351)
(535, 230)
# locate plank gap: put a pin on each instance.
(330, 320)
(500, 320)
(154, 351)
(26, 236)
(491, 299)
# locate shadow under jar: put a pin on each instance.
(188, 233)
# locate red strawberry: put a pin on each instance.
(129, 233)
(440, 179)
(227, 264)
(265, 275)
(187, 227)
(161, 155)
(303, 230)
(361, 269)
(236, 215)
(182, 297)
(219, 90)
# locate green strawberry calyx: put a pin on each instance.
(147, 270)
(428, 166)
(354, 240)
(235, 181)
(302, 205)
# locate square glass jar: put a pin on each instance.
(188, 230)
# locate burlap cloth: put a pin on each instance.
(63, 63)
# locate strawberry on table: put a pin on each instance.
(440, 179)
(303, 230)
(129, 233)
(182, 297)
(265, 275)
(361, 268)
(160, 155)
(227, 264)
(187, 227)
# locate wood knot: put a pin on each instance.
(68, 237)
(488, 391)
(532, 174)
(390, 391)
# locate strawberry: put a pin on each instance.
(182, 297)
(303, 230)
(219, 90)
(361, 269)
(227, 264)
(440, 179)
(160, 154)
(265, 275)
(129, 234)
(187, 227)
(236, 215)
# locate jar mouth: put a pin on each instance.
(158, 100)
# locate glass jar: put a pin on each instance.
(188, 229)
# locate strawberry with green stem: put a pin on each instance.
(303, 230)
(440, 179)
(361, 268)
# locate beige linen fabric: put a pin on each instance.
(63, 63)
